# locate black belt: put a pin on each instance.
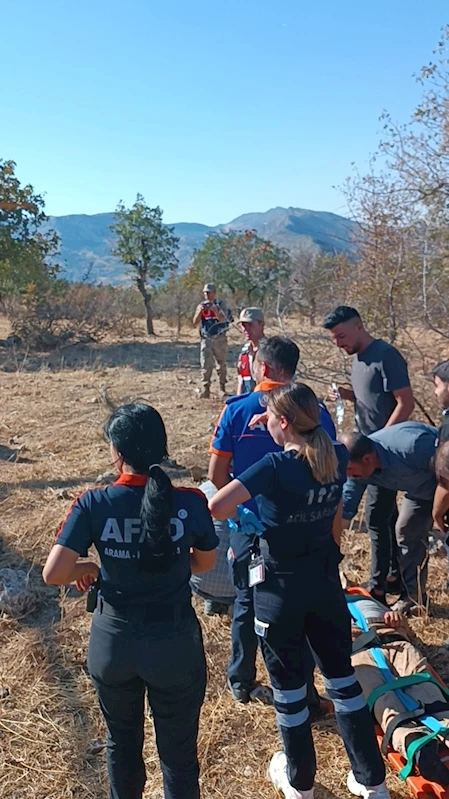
(372, 639)
(149, 613)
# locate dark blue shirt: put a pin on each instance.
(297, 511)
(108, 518)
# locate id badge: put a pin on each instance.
(256, 571)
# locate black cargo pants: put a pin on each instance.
(302, 600)
(131, 653)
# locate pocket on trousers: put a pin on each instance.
(189, 655)
(268, 606)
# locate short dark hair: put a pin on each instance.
(358, 446)
(441, 370)
(343, 313)
(280, 353)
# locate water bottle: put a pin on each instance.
(339, 406)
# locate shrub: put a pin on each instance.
(73, 313)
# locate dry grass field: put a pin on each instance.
(51, 449)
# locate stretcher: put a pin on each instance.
(420, 787)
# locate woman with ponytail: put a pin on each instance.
(145, 638)
(298, 594)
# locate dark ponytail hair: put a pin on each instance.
(138, 434)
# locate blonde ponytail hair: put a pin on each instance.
(299, 405)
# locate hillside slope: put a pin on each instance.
(86, 241)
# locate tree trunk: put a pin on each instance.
(147, 300)
(149, 310)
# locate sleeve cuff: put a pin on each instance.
(220, 453)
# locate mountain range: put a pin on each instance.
(86, 240)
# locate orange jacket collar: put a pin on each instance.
(268, 385)
(131, 480)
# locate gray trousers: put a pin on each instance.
(412, 534)
(381, 517)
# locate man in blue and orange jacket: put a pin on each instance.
(234, 442)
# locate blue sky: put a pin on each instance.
(209, 109)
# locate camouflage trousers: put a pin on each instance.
(214, 348)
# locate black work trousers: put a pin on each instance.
(244, 641)
(305, 599)
(130, 655)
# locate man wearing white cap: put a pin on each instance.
(252, 321)
(212, 317)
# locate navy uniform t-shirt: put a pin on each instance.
(296, 510)
(109, 519)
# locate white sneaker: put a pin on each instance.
(277, 773)
(375, 792)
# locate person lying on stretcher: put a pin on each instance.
(392, 637)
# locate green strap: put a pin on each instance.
(413, 748)
(397, 683)
(403, 682)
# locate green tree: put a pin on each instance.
(27, 246)
(249, 266)
(147, 247)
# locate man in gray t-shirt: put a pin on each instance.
(379, 376)
(382, 397)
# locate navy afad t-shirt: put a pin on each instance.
(108, 518)
(296, 510)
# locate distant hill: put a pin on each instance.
(86, 241)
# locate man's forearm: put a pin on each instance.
(219, 471)
(352, 494)
(400, 414)
(440, 508)
(337, 526)
(219, 480)
(404, 406)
